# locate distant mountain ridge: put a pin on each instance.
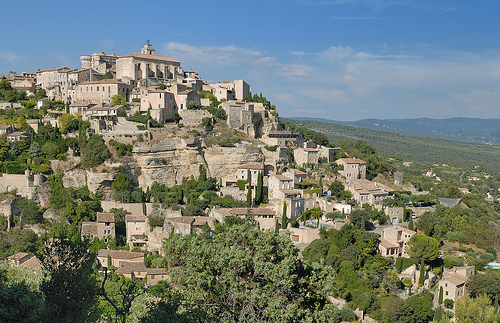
(486, 131)
(420, 149)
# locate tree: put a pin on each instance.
(277, 226)
(258, 189)
(487, 283)
(129, 291)
(34, 150)
(410, 223)
(118, 100)
(249, 192)
(320, 139)
(440, 300)
(70, 288)
(423, 247)
(65, 121)
(177, 117)
(30, 213)
(40, 94)
(399, 311)
(470, 310)
(121, 183)
(421, 278)
(284, 219)
(422, 305)
(243, 274)
(50, 149)
(94, 153)
(18, 303)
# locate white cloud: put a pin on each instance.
(218, 55)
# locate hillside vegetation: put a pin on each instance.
(411, 148)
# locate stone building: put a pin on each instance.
(101, 91)
(454, 282)
(353, 168)
(147, 65)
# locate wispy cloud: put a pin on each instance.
(108, 45)
(10, 57)
(352, 84)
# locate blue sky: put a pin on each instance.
(335, 59)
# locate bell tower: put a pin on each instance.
(148, 49)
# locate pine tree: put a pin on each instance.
(284, 220)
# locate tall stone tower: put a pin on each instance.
(148, 49)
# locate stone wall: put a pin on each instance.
(193, 117)
(133, 208)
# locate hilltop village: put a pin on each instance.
(130, 153)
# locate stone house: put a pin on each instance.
(160, 103)
(393, 241)
(303, 235)
(155, 275)
(367, 192)
(239, 88)
(24, 260)
(280, 190)
(114, 257)
(80, 107)
(250, 173)
(266, 217)
(308, 156)
(295, 174)
(183, 94)
(186, 225)
(280, 138)
(101, 91)
(328, 153)
(136, 227)
(454, 282)
(6, 129)
(353, 168)
(103, 228)
(18, 136)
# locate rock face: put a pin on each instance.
(174, 160)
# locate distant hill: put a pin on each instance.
(420, 149)
(485, 131)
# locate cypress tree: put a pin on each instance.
(284, 220)
(440, 295)
(410, 223)
(496, 303)
(249, 193)
(320, 184)
(277, 227)
(421, 279)
(258, 189)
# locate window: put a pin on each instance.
(97, 88)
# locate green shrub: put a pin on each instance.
(271, 148)
(448, 303)
(456, 236)
(241, 184)
(403, 263)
